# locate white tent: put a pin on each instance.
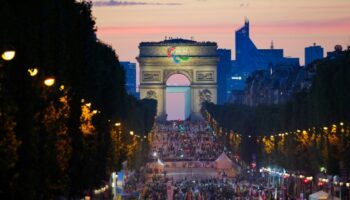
(223, 162)
(320, 195)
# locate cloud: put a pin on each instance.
(101, 3)
(127, 30)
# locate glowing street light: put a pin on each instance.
(33, 71)
(8, 55)
(155, 154)
(131, 132)
(117, 124)
(49, 81)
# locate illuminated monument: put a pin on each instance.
(197, 61)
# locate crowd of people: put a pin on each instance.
(184, 141)
(182, 167)
(207, 189)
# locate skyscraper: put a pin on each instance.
(130, 75)
(249, 59)
(223, 70)
(313, 53)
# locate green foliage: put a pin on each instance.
(326, 102)
(43, 151)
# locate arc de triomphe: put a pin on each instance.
(195, 60)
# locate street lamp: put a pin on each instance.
(8, 55)
(49, 81)
(341, 185)
(131, 133)
(117, 124)
(33, 71)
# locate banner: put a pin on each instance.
(170, 190)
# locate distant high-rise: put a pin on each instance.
(246, 50)
(313, 53)
(223, 70)
(249, 59)
(130, 75)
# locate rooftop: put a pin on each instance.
(172, 41)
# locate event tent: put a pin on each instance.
(320, 195)
(223, 162)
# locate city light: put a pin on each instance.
(33, 71)
(61, 87)
(154, 154)
(236, 78)
(131, 132)
(49, 82)
(8, 55)
(117, 124)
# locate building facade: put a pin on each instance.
(197, 61)
(313, 53)
(130, 76)
(249, 59)
(224, 68)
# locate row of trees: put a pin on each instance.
(62, 140)
(324, 104)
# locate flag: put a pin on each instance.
(170, 190)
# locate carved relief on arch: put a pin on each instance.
(151, 94)
(186, 72)
(205, 95)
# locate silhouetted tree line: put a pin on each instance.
(324, 104)
(62, 140)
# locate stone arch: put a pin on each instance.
(197, 61)
(168, 73)
(179, 80)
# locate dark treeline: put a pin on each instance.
(62, 140)
(324, 104)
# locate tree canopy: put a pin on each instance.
(62, 140)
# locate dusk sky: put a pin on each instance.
(291, 24)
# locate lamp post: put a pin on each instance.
(8, 55)
(310, 178)
(340, 188)
(50, 81)
(33, 71)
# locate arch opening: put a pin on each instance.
(178, 97)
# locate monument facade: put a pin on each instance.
(196, 60)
